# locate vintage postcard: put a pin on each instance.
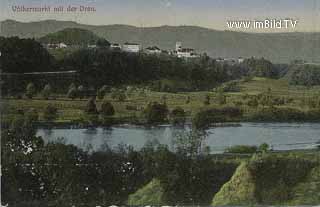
(160, 103)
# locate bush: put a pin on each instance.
(285, 114)
(156, 113)
(178, 116)
(205, 117)
(188, 100)
(242, 149)
(264, 147)
(91, 107)
(50, 113)
(107, 109)
(202, 120)
(206, 100)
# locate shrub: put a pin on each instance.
(242, 149)
(202, 120)
(107, 109)
(50, 113)
(206, 100)
(156, 113)
(91, 107)
(264, 147)
(188, 99)
(178, 116)
(284, 114)
(205, 117)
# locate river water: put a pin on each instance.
(281, 136)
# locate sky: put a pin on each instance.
(212, 14)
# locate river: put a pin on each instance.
(281, 136)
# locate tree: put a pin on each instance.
(188, 99)
(102, 92)
(72, 85)
(103, 43)
(107, 108)
(72, 93)
(50, 113)
(46, 91)
(207, 100)
(202, 120)
(190, 143)
(156, 113)
(178, 116)
(31, 90)
(91, 107)
(264, 147)
(81, 91)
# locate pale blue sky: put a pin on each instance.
(205, 13)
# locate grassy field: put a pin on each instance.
(70, 110)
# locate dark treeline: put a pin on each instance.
(24, 55)
(98, 67)
(38, 174)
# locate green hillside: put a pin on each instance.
(152, 193)
(272, 180)
(277, 47)
(72, 36)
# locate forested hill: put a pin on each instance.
(72, 36)
(277, 47)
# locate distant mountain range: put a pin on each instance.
(278, 47)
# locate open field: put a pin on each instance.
(133, 105)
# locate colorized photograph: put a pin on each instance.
(159, 103)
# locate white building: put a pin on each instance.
(185, 52)
(178, 46)
(92, 46)
(153, 50)
(56, 45)
(115, 46)
(131, 47)
(240, 60)
(62, 45)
